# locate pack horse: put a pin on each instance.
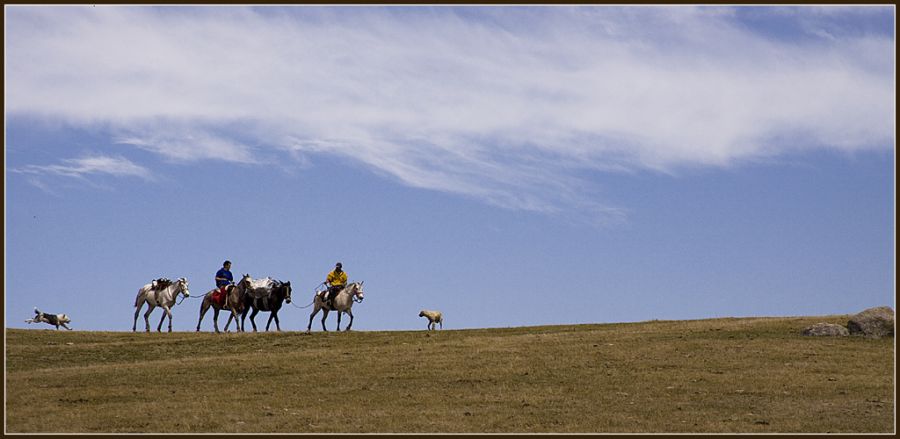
(161, 296)
(265, 295)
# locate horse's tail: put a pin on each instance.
(137, 300)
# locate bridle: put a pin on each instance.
(183, 290)
(355, 297)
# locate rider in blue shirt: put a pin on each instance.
(224, 277)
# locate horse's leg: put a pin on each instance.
(269, 322)
(216, 319)
(244, 317)
(147, 315)
(234, 315)
(339, 320)
(313, 314)
(349, 313)
(204, 307)
(169, 313)
(252, 315)
(277, 323)
(324, 316)
(163, 318)
(137, 310)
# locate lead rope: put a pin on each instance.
(315, 293)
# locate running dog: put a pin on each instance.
(53, 319)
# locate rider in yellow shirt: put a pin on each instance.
(336, 281)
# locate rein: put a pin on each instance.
(183, 296)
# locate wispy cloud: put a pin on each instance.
(187, 145)
(86, 166)
(506, 105)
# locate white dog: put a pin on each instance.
(53, 319)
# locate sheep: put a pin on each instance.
(433, 317)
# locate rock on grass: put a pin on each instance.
(826, 330)
(873, 322)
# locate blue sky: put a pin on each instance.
(508, 166)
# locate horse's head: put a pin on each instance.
(287, 291)
(183, 287)
(357, 291)
(245, 281)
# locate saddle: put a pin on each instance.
(161, 283)
(326, 293)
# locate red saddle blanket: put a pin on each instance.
(218, 297)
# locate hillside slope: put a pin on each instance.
(718, 375)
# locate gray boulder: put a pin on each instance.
(873, 322)
(826, 329)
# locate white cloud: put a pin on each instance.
(188, 146)
(502, 104)
(90, 165)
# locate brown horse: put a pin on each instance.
(234, 302)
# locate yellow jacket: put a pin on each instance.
(335, 278)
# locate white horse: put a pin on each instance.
(164, 298)
(342, 303)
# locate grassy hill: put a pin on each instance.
(720, 375)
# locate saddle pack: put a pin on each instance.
(161, 283)
(262, 288)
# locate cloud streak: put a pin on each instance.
(90, 165)
(506, 105)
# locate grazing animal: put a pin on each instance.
(53, 319)
(164, 298)
(342, 303)
(234, 302)
(433, 317)
(267, 296)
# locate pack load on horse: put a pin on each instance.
(164, 298)
(342, 303)
(261, 289)
(268, 295)
(231, 300)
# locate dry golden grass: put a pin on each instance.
(753, 375)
